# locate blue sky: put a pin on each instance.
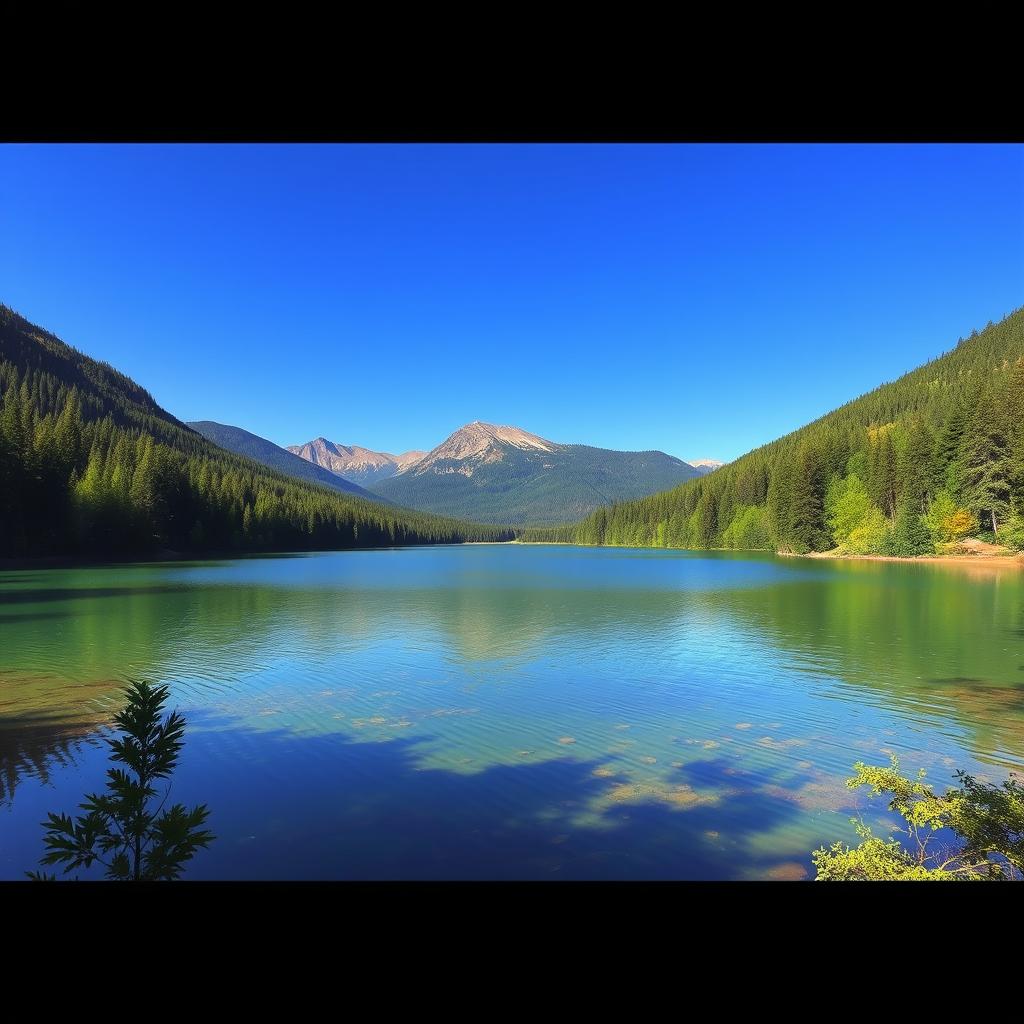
(698, 299)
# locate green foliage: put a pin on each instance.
(909, 536)
(749, 529)
(120, 829)
(90, 464)
(883, 483)
(938, 518)
(874, 860)
(847, 505)
(946, 440)
(985, 469)
(986, 820)
(870, 536)
(916, 473)
(805, 529)
(1012, 534)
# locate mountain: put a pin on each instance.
(503, 474)
(910, 468)
(705, 466)
(91, 465)
(241, 442)
(360, 465)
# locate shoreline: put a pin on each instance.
(1001, 561)
(1009, 561)
(166, 557)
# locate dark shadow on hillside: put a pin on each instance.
(330, 807)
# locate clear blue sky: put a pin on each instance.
(698, 299)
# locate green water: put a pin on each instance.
(512, 711)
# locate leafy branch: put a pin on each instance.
(119, 829)
(987, 820)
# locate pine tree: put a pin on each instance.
(882, 477)
(705, 521)
(909, 536)
(985, 459)
(915, 472)
(778, 503)
(807, 531)
(1014, 411)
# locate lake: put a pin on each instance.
(508, 711)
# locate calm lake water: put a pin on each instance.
(510, 711)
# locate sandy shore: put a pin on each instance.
(970, 561)
(992, 561)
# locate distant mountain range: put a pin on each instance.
(705, 466)
(241, 442)
(360, 465)
(504, 474)
(91, 465)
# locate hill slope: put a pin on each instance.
(502, 474)
(241, 442)
(90, 464)
(915, 464)
(360, 465)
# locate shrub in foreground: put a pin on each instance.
(985, 823)
(120, 829)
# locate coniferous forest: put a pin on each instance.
(908, 469)
(91, 465)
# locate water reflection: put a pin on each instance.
(706, 708)
(504, 821)
(43, 725)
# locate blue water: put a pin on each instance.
(509, 711)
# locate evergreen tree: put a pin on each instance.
(778, 504)
(915, 470)
(882, 477)
(986, 463)
(947, 446)
(1014, 418)
(910, 536)
(705, 521)
(806, 528)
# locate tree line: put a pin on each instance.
(91, 465)
(910, 468)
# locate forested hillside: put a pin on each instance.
(90, 464)
(910, 468)
(252, 446)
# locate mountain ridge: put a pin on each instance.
(499, 473)
(354, 463)
(252, 446)
(91, 465)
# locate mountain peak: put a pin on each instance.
(705, 466)
(361, 465)
(477, 444)
(473, 437)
